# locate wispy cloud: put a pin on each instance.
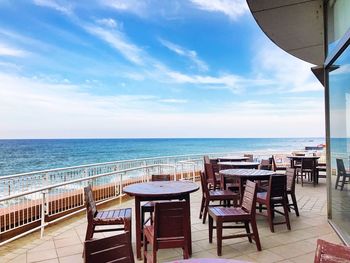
(289, 74)
(118, 41)
(174, 101)
(133, 6)
(231, 8)
(12, 52)
(69, 113)
(190, 54)
(59, 5)
(109, 22)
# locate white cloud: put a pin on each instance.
(288, 73)
(109, 22)
(175, 101)
(190, 54)
(134, 6)
(118, 41)
(231, 8)
(11, 51)
(34, 108)
(59, 5)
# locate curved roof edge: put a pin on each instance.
(296, 26)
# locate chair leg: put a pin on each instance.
(202, 206)
(269, 217)
(154, 255)
(337, 181)
(246, 224)
(210, 229)
(89, 231)
(343, 183)
(256, 234)
(205, 210)
(219, 237)
(286, 214)
(295, 205)
(144, 249)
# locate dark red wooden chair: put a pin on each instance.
(276, 195)
(265, 164)
(343, 177)
(103, 218)
(327, 252)
(245, 214)
(169, 230)
(291, 176)
(110, 249)
(250, 157)
(213, 179)
(307, 170)
(208, 196)
(148, 207)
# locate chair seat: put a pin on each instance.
(228, 213)
(222, 194)
(118, 216)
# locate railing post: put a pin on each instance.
(194, 172)
(43, 212)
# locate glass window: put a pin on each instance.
(338, 12)
(339, 103)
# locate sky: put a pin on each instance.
(149, 69)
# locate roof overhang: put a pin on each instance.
(296, 26)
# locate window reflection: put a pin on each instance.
(339, 90)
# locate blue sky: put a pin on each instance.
(131, 68)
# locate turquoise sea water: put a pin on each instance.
(18, 156)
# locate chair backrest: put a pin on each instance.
(340, 167)
(210, 174)
(249, 197)
(291, 175)
(308, 164)
(110, 249)
(171, 220)
(250, 156)
(160, 177)
(206, 159)
(331, 253)
(265, 164)
(91, 209)
(204, 184)
(277, 186)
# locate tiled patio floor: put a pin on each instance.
(63, 242)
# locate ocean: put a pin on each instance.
(19, 156)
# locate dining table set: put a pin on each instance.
(167, 201)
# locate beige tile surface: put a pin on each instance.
(63, 242)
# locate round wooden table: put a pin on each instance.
(208, 260)
(244, 175)
(153, 191)
(232, 159)
(239, 165)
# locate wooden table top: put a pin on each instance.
(239, 163)
(163, 188)
(208, 260)
(246, 172)
(233, 158)
(303, 157)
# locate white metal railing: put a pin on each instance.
(42, 206)
(13, 184)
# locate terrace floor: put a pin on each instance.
(63, 242)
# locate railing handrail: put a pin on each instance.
(41, 189)
(103, 163)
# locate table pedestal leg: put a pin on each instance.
(138, 227)
(189, 230)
